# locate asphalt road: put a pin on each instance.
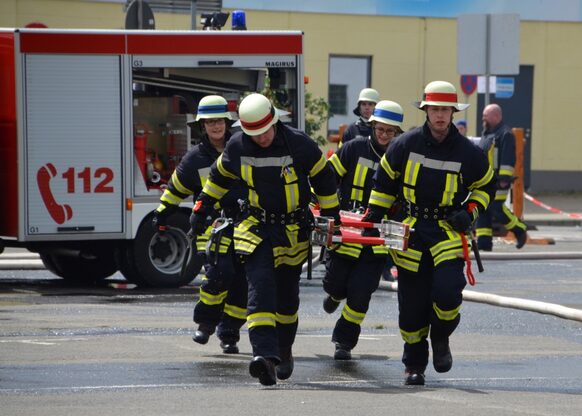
(109, 351)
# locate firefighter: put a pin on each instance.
(362, 127)
(353, 271)
(498, 142)
(278, 164)
(222, 302)
(445, 182)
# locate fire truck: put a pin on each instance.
(93, 123)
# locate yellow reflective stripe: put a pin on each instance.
(212, 189)
(484, 232)
(414, 337)
(451, 187)
(178, 185)
(513, 220)
(170, 198)
(380, 249)
(448, 255)
(381, 199)
(289, 174)
(254, 198)
(409, 259)
(246, 172)
(292, 197)
(286, 319)
(235, 311)
(349, 249)
(357, 194)
(261, 319)
(446, 315)
(337, 165)
(222, 170)
(319, 165)
(481, 197)
(392, 174)
(506, 170)
(353, 316)
(327, 201)
(210, 299)
(483, 181)
(490, 153)
(453, 242)
(292, 256)
(360, 175)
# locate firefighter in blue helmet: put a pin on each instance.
(445, 182)
(223, 292)
(353, 271)
(498, 142)
(362, 127)
(278, 164)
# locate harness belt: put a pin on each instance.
(269, 217)
(428, 213)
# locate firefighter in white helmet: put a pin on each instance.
(223, 293)
(353, 271)
(362, 127)
(278, 164)
(445, 181)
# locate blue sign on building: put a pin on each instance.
(505, 86)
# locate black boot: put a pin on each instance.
(229, 347)
(520, 236)
(442, 358)
(285, 367)
(202, 334)
(263, 369)
(330, 304)
(342, 352)
(414, 376)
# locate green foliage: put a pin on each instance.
(316, 115)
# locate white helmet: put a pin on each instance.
(256, 114)
(388, 112)
(213, 106)
(367, 94)
(440, 93)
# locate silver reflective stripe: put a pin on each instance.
(204, 172)
(368, 163)
(265, 162)
(435, 164)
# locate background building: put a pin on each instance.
(397, 47)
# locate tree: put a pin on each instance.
(316, 115)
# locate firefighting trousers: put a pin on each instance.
(353, 279)
(273, 302)
(429, 302)
(223, 298)
(498, 212)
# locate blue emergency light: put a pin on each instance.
(239, 20)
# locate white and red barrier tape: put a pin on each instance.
(549, 208)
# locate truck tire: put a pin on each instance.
(154, 259)
(75, 268)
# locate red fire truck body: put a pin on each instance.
(92, 124)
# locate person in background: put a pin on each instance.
(352, 270)
(362, 127)
(445, 181)
(461, 127)
(223, 292)
(279, 164)
(498, 143)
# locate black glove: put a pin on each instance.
(504, 182)
(372, 215)
(201, 215)
(160, 219)
(333, 213)
(460, 221)
(370, 232)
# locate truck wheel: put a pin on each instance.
(154, 259)
(75, 268)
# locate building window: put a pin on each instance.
(338, 99)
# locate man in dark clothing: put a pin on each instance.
(498, 142)
(445, 182)
(362, 127)
(279, 165)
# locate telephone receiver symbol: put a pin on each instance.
(59, 213)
